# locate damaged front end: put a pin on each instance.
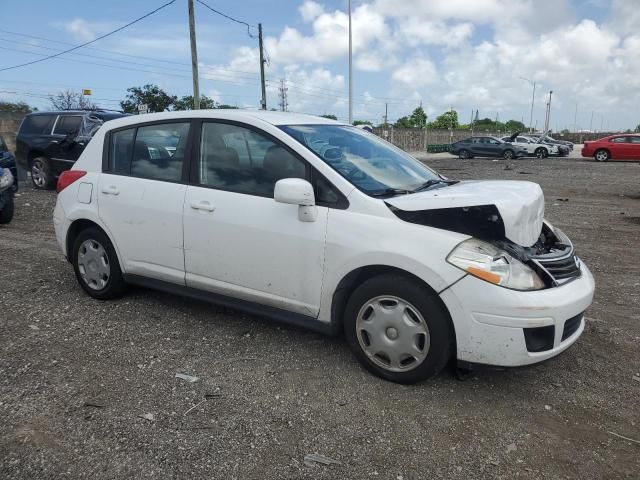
(551, 256)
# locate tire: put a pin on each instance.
(6, 214)
(541, 152)
(418, 337)
(508, 154)
(41, 175)
(96, 265)
(602, 155)
(464, 154)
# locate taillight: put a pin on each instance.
(68, 177)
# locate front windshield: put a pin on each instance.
(368, 162)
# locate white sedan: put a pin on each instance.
(532, 145)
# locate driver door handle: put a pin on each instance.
(110, 190)
(203, 205)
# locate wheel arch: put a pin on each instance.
(602, 149)
(82, 224)
(347, 285)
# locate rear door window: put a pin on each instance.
(120, 150)
(67, 124)
(618, 140)
(159, 151)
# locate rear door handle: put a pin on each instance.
(203, 205)
(110, 190)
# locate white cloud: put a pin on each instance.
(82, 30)
(330, 38)
(416, 73)
(310, 10)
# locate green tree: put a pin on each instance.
(418, 118)
(362, 122)
(403, 122)
(224, 106)
(515, 126)
(151, 95)
(446, 120)
(329, 116)
(186, 103)
(17, 107)
(637, 129)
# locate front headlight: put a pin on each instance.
(489, 263)
(6, 179)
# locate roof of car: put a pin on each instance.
(274, 118)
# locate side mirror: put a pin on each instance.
(296, 191)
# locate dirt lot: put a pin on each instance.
(76, 374)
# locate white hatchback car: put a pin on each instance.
(326, 226)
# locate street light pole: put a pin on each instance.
(548, 115)
(350, 71)
(533, 97)
(194, 58)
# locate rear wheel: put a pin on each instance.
(464, 154)
(541, 152)
(41, 175)
(508, 154)
(96, 265)
(6, 214)
(397, 329)
(602, 155)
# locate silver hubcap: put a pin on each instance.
(602, 156)
(540, 154)
(392, 333)
(508, 154)
(37, 173)
(93, 264)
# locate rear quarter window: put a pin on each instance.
(37, 124)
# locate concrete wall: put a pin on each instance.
(9, 124)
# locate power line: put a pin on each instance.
(90, 41)
(229, 17)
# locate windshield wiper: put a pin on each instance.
(387, 192)
(430, 183)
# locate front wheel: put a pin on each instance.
(508, 154)
(41, 175)
(602, 156)
(96, 265)
(464, 154)
(541, 152)
(397, 329)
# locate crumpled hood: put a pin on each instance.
(520, 204)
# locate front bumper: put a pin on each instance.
(489, 320)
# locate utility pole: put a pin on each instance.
(386, 113)
(194, 58)
(263, 102)
(350, 71)
(283, 95)
(591, 123)
(575, 119)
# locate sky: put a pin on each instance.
(460, 54)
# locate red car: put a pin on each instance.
(615, 147)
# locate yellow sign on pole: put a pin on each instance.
(86, 91)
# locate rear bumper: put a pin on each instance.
(490, 321)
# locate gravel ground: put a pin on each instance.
(88, 389)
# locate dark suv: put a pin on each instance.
(48, 143)
(7, 160)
